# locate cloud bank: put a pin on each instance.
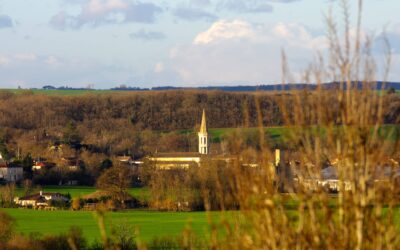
(94, 13)
(236, 51)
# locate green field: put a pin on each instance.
(280, 133)
(148, 223)
(217, 134)
(57, 92)
(78, 191)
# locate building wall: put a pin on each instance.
(175, 159)
(11, 174)
(203, 143)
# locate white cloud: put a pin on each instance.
(4, 60)
(25, 57)
(296, 34)
(10, 59)
(52, 61)
(223, 30)
(232, 52)
(97, 7)
(159, 67)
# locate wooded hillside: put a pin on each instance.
(124, 122)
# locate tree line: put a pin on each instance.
(95, 128)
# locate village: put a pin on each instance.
(290, 175)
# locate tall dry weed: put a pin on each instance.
(342, 128)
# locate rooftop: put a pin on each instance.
(176, 154)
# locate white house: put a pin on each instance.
(40, 199)
(10, 173)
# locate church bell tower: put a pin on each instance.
(203, 136)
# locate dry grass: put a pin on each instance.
(342, 121)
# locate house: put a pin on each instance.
(41, 164)
(328, 178)
(38, 166)
(176, 160)
(10, 173)
(104, 199)
(71, 163)
(40, 199)
(125, 160)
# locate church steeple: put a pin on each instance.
(203, 135)
(203, 127)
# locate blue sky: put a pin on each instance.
(149, 43)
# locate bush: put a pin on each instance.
(6, 227)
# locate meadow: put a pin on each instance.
(279, 134)
(147, 224)
(79, 191)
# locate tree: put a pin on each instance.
(76, 203)
(106, 164)
(3, 149)
(71, 135)
(116, 181)
(27, 185)
(123, 236)
(7, 193)
(27, 164)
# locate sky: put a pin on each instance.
(148, 43)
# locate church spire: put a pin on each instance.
(203, 127)
(203, 136)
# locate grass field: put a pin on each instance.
(280, 133)
(57, 92)
(77, 191)
(148, 223)
(217, 134)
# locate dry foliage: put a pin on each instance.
(340, 127)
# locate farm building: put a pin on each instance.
(40, 199)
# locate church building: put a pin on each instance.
(185, 159)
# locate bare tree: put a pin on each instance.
(116, 181)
